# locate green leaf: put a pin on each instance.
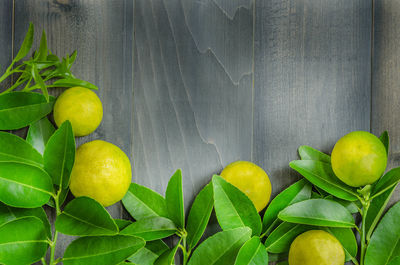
(8, 213)
(26, 44)
(22, 241)
(199, 215)
(297, 192)
(101, 250)
(233, 208)
(376, 209)
(220, 248)
(309, 153)
(150, 253)
(174, 199)
(321, 174)
(23, 185)
(318, 212)
(61, 198)
(59, 155)
(395, 261)
(122, 223)
(72, 82)
(151, 228)
(386, 182)
(352, 207)
(383, 246)
(16, 149)
(280, 239)
(39, 133)
(347, 238)
(385, 140)
(142, 202)
(84, 216)
(168, 257)
(252, 252)
(277, 256)
(19, 109)
(43, 52)
(39, 80)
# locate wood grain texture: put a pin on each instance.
(192, 90)
(312, 78)
(386, 78)
(101, 32)
(6, 20)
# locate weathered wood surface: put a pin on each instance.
(101, 32)
(6, 42)
(386, 78)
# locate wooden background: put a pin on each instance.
(197, 84)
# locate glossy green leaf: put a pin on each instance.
(297, 192)
(386, 182)
(39, 133)
(23, 185)
(168, 257)
(102, 250)
(43, 52)
(199, 215)
(122, 223)
(8, 213)
(23, 241)
(347, 238)
(19, 109)
(221, 248)
(309, 153)
(39, 81)
(151, 228)
(59, 155)
(385, 140)
(252, 252)
(142, 202)
(26, 44)
(318, 212)
(280, 239)
(352, 207)
(16, 149)
(321, 175)
(150, 253)
(233, 208)
(174, 199)
(395, 261)
(376, 209)
(61, 199)
(84, 216)
(383, 247)
(71, 82)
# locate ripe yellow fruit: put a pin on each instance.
(101, 171)
(359, 158)
(82, 107)
(251, 180)
(316, 247)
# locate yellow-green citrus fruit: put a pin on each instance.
(359, 158)
(316, 247)
(251, 180)
(101, 171)
(82, 107)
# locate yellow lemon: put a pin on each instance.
(101, 171)
(251, 180)
(82, 107)
(316, 247)
(359, 158)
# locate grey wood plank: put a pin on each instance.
(192, 89)
(385, 77)
(101, 32)
(6, 20)
(312, 78)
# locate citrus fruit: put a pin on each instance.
(82, 107)
(101, 171)
(316, 247)
(251, 180)
(359, 158)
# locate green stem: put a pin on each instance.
(363, 234)
(43, 261)
(266, 233)
(54, 242)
